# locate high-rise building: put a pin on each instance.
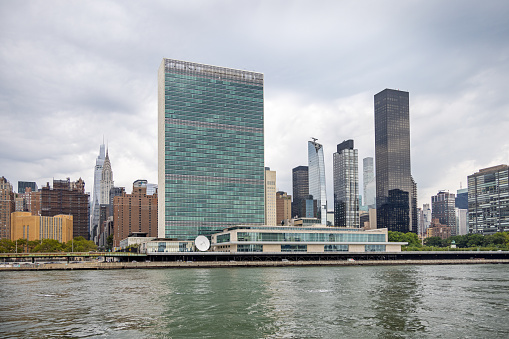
(368, 182)
(22, 185)
(488, 200)
(106, 183)
(283, 207)
(65, 197)
(24, 225)
(96, 192)
(396, 192)
(300, 183)
(427, 217)
(211, 149)
(346, 185)
(7, 206)
(270, 197)
(461, 200)
(316, 177)
(461, 221)
(442, 208)
(136, 212)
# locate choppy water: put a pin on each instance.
(470, 301)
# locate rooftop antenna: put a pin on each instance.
(314, 139)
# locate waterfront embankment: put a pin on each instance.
(213, 264)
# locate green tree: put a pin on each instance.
(433, 241)
(80, 244)
(49, 245)
(109, 243)
(475, 240)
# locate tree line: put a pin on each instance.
(472, 241)
(78, 244)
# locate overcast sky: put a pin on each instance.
(75, 71)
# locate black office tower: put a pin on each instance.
(300, 183)
(396, 191)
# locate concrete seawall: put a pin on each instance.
(215, 264)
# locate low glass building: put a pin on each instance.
(316, 239)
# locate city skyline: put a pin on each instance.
(87, 75)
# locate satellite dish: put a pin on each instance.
(202, 243)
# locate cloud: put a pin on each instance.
(75, 71)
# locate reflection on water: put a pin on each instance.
(285, 302)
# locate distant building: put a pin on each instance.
(438, 230)
(96, 191)
(23, 185)
(461, 200)
(396, 191)
(427, 216)
(134, 213)
(24, 225)
(317, 239)
(151, 189)
(107, 182)
(7, 206)
(270, 197)
(300, 182)
(316, 177)
(369, 183)
(442, 206)
(488, 200)
(283, 207)
(211, 148)
(461, 221)
(346, 185)
(68, 198)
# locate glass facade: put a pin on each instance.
(294, 248)
(211, 149)
(335, 248)
(346, 185)
(374, 248)
(488, 200)
(392, 156)
(250, 248)
(316, 177)
(310, 237)
(442, 208)
(300, 182)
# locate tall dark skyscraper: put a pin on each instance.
(396, 192)
(211, 149)
(300, 182)
(346, 185)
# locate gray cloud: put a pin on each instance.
(74, 71)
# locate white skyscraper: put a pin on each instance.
(106, 181)
(96, 193)
(270, 197)
(369, 183)
(316, 175)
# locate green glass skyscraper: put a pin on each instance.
(211, 149)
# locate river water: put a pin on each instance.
(449, 301)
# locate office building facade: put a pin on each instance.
(442, 208)
(133, 213)
(24, 225)
(346, 185)
(461, 200)
(396, 191)
(488, 200)
(316, 177)
(368, 183)
(23, 185)
(283, 208)
(7, 206)
(65, 197)
(211, 148)
(300, 185)
(270, 197)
